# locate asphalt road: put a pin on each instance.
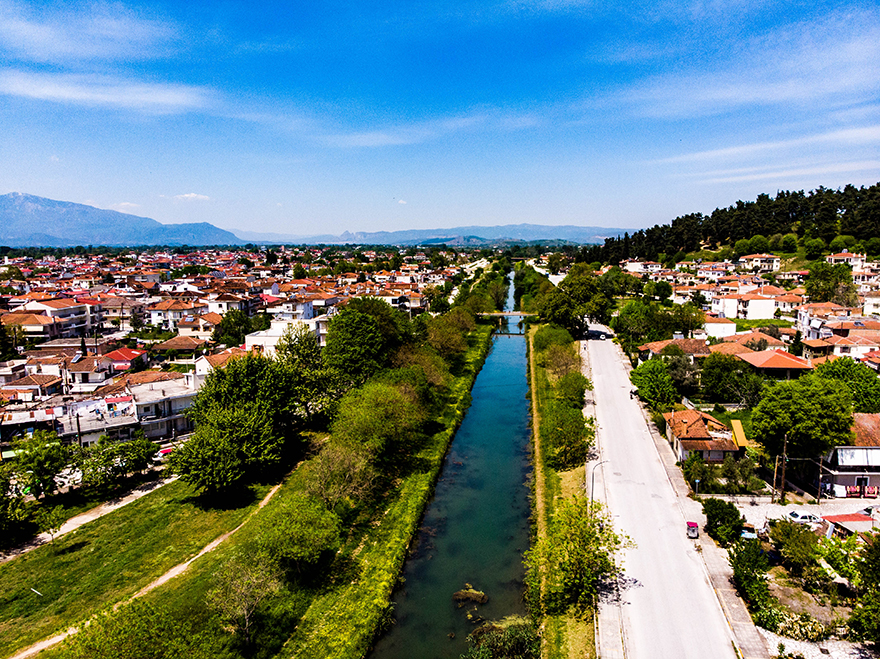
(668, 607)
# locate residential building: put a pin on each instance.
(692, 431)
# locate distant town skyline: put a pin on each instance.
(312, 118)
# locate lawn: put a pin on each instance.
(108, 560)
(745, 416)
(743, 325)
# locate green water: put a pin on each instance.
(477, 526)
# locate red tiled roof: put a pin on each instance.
(775, 359)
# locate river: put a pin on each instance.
(476, 528)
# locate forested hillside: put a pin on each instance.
(820, 213)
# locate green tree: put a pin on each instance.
(355, 345)
(232, 328)
(50, 520)
(576, 556)
(337, 474)
(566, 435)
(687, 318)
(654, 384)
(377, 419)
(298, 530)
(814, 414)
(663, 290)
(814, 248)
(579, 299)
(718, 375)
(392, 324)
(759, 244)
(862, 381)
(7, 344)
(210, 461)
(12, 509)
(797, 544)
(750, 566)
(789, 243)
(299, 346)
(244, 416)
(742, 247)
(39, 459)
(446, 337)
(831, 283)
(243, 583)
(512, 641)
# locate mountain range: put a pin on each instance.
(30, 221)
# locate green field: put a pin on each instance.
(108, 560)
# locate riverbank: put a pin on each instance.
(563, 636)
(342, 621)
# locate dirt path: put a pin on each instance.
(170, 574)
(90, 515)
(540, 487)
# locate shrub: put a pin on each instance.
(750, 565)
(551, 335)
(572, 387)
(724, 523)
(797, 544)
(518, 641)
(566, 434)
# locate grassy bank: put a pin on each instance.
(108, 560)
(564, 636)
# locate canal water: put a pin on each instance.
(476, 528)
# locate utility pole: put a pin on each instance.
(775, 468)
(784, 460)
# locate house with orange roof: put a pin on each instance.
(35, 327)
(692, 431)
(729, 348)
(777, 364)
(73, 318)
(853, 260)
(692, 348)
(755, 336)
(760, 262)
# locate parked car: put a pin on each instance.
(802, 518)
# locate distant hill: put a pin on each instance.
(29, 221)
(467, 235)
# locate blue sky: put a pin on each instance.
(315, 117)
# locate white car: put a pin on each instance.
(802, 518)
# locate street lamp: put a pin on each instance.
(697, 483)
(593, 481)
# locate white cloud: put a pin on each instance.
(107, 91)
(96, 31)
(124, 206)
(419, 132)
(849, 137)
(795, 173)
(192, 196)
(54, 158)
(401, 201)
(833, 61)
